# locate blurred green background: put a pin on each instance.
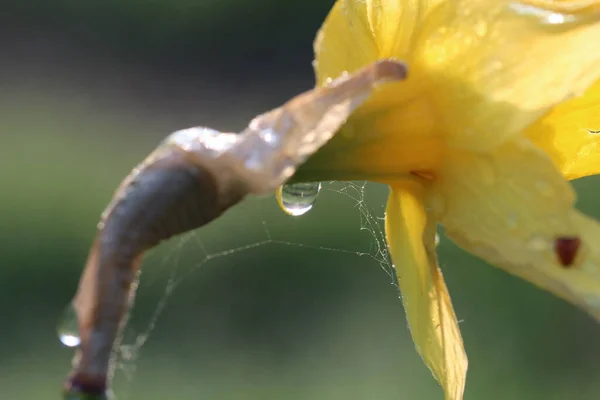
(87, 90)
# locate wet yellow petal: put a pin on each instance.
(393, 24)
(570, 134)
(345, 42)
(357, 33)
(514, 209)
(495, 67)
(433, 325)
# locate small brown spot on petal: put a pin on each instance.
(566, 248)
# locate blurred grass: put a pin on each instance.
(275, 321)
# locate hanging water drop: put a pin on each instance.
(68, 328)
(298, 198)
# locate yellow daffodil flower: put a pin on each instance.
(501, 104)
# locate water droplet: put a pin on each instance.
(441, 31)
(549, 17)
(481, 28)
(537, 243)
(486, 172)
(298, 198)
(437, 203)
(593, 301)
(512, 222)
(491, 66)
(270, 137)
(68, 328)
(544, 188)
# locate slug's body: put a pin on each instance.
(167, 195)
(191, 179)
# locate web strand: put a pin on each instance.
(371, 222)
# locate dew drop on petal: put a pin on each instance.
(270, 137)
(544, 188)
(68, 328)
(483, 169)
(512, 222)
(488, 177)
(481, 28)
(298, 198)
(548, 17)
(437, 204)
(537, 243)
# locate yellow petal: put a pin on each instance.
(345, 42)
(433, 325)
(514, 209)
(393, 23)
(357, 33)
(495, 67)
(570, 134)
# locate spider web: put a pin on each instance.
(367, 199)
